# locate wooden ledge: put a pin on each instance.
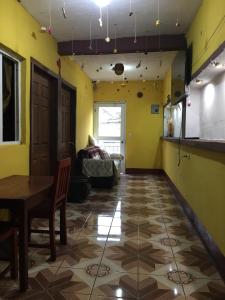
(212, 145)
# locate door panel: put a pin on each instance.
(40, 129)
(66, 123)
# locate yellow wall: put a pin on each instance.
(201, 179)
(143, 129)
(16, 34)
(207, 31)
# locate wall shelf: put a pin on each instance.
(212, 145)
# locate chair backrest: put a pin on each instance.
(61, 181)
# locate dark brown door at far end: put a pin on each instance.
(67, 123)
(41, 141)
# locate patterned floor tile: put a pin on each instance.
(81, 281)
(124, 257)
(158, 287)
(149, 230)
(127, 231)
(130, 242)
(121, 285)
(196, 271)
(100, 231)
(99, 220)
(68, 296)
(200, 289)
(154, 245)
(48, 285)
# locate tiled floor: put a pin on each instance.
(131, 242)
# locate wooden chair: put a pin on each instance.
(48, 207)
(8, 233)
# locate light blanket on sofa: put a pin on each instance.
(97, 167)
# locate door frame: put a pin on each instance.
(73, 104)
(124, 107)
(57, 83)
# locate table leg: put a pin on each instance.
(23, 249)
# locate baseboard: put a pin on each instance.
(207, 240)
(144, 171)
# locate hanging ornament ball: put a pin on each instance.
(118, 69)
(157, 23)
(135, 41)
(140, 94)
(177, 24)
(107, 39)
(115, 51)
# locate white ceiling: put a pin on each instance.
(157, 65)
(80, 12)
(77, 26)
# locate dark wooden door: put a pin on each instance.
(43, 123)
(66, 142)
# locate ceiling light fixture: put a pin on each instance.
(107, 39)
(102, 3)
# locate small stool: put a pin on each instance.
(79, 189)
(117, 159)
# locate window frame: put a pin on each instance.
(17, 87)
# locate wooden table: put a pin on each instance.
(19, 194)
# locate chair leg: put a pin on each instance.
(52, 237)
(13, 257)
(63, 230)
(29, 229)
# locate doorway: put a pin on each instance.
(67, 122)
(109, 128)
(53, 120)
(43, 114)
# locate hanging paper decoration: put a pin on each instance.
(118, 69)
(135, 28)
(115, 45)
(131, 12)
(107, 39)
(64, 10)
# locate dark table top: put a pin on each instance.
(18, 187)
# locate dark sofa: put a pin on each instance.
(96, 164)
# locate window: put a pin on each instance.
(9, 99)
